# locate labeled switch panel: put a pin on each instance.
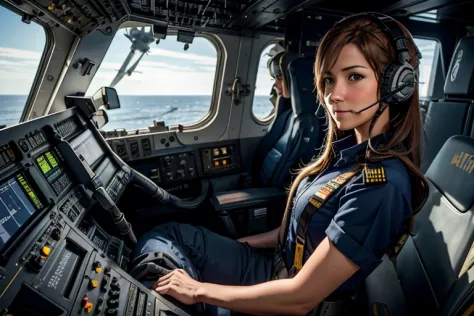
(177, 167)
(104, 291)
(219, 159)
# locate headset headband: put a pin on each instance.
(393, 31)
(273, 65)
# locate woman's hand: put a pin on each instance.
(179, 285)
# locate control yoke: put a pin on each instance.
(87, 177)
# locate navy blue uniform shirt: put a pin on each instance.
(360, 219)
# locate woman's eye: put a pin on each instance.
(328, 80)
(355, 77)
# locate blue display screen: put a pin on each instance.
(16, 207)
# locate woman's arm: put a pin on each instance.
(326, 269)
(264, 240)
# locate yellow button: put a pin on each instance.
(98, 270)
(224, 150)
(224, 162)
(94, 283)
(45, 251)
(88, 307)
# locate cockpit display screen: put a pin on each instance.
(18, 202)
(53, 170)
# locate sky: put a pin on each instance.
(166, 70)
(21, 47)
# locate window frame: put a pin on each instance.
(434, 67)
(267, 120)
(220, 63)
(42, 65)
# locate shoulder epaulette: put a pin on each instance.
(374, 174)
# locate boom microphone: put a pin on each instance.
(385, 97)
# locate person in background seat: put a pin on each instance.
(345, 210)
(279, 93)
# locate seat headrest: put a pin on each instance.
(460, 80)
(303, 97)
(452, 171)
(285, 62)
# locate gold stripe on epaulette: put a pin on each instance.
(375, 175)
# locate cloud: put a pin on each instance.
(113, 66)
(160, 65)
(204, 60)
(145, 65)
(158, 82)
(208, 69)
(19, 53)
(24, 63)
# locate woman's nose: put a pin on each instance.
(338, 92)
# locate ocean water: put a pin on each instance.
(140, 111)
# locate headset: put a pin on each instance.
(273, 65)
(399, 78)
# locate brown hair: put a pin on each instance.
(405, 122)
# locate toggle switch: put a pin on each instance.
(97, 267)
(45, 251)
(88, 307)
(94, 283)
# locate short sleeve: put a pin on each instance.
(367, 218)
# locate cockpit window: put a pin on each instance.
(429, 50)
(21, 48)
(167, 81)
(263, 106)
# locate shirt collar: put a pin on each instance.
(347, 148)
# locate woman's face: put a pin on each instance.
(350, 86)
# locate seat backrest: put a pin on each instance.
(428, 268)
(301, 134)
(453, 114)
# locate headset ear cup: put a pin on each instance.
(386, 82)
(394, 77)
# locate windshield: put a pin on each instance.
(164, 82)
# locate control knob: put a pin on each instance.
(180, 173)
(112, 303)
(115, 286)
(105, 281)
(111, 311)
(114, 294)
(56, 233)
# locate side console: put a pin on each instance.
(55, 260)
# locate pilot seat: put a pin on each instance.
(433, 273)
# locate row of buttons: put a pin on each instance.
(113, 295)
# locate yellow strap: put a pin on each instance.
(317, 200)
(469, 311)
(298, 260)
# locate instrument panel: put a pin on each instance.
(180, 165)
(55, 256)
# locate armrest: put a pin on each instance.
(238, 199)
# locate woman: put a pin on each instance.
(376, 189)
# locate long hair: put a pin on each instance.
(405, 120)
